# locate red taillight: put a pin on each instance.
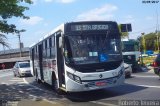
(155, 64)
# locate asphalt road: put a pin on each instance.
(141, 87)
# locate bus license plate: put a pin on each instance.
(101, 83)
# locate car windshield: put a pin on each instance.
(24, 65)
(95, 48)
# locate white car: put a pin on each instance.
(21, 69)
(128, 69)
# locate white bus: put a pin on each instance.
(79, 56)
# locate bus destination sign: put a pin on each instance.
(89, 27)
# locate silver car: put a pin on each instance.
(21, 69)
(128, 70)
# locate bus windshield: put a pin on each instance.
(94, 48)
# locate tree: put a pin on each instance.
(8, 10)
(3, 41)
(150, 41)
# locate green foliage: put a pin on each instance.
(9, 9)
(3, 40)
(150, 41)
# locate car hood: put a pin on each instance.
(25, 69)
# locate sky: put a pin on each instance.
(45, 15)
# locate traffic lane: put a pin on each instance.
(22, 92)
(15, 89)
(114, 93)
(141, 80)
(4, 73)
(144, 78)
(5, 77)
(96, 94)
(145, 73)
(109, 96)
(131, 90)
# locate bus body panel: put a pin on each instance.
(48, 71)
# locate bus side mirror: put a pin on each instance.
(126, 27)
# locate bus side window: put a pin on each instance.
(52, 47)
(44, 50)
(48, 48)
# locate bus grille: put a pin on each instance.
(97, 66)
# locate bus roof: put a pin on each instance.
(61, 28)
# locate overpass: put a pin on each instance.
(9, 57)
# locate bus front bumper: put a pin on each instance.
(73, 86)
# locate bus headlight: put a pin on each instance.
(74, 77)
(70, 75)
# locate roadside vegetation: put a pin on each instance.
(148, 60)
(11, 9)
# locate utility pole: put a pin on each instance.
(157, 42)
(19, 38)
(142, 47)
(143, 43)
(157, 31)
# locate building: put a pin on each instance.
(9, 57)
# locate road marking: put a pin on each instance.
(147, 76)
(35, 97)
(25, 81)
(21, 82)
(34, 86)
(4, 83)
(103, 103)
(149, 86)
(50, 101)
(16, 80)
(21, 91)
(6, 74)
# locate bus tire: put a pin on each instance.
(38, 80)
(54, 82)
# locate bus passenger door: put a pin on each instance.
(40, 61)
(60, 62)
(33, 61)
